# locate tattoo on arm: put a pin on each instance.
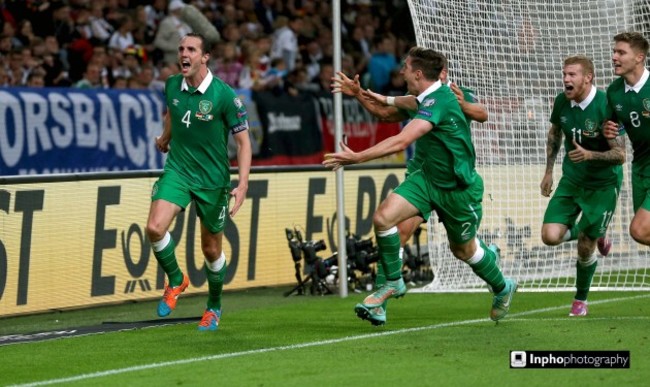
(615, 155)
(553, 143)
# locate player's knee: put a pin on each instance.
(211, 251)
(155, 231)
(640, 234)
(380, 221)
(550, 238)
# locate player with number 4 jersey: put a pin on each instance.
(202, 111)
(591, 173)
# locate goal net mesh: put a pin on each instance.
(511, 54)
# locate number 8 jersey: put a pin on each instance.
(631, 109)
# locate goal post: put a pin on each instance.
(511, 53)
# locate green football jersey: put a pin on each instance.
(632, 111)
(418, 156)
(201, 119)
(447, 152)
(585, 126)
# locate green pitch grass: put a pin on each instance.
(266, 339)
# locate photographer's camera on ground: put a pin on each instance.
(321, 274)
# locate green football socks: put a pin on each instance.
(584, 276)
(389, 247)
(167, 260)
(215, 286)
(486, 268)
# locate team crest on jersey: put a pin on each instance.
(204, 111)
(563, 119)
(646, 104)
(590, 126)
(238, 103)
(429, 102)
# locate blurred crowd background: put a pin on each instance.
(282, 46)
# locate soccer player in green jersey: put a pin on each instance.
(202, 111)
(446, 182)
(591, 173)
(629, 98)
(398, 109)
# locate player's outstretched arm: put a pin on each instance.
(476, 111)
(244, 156)
(352, 88)
(553, 142)
(411, 132)
(404, 102)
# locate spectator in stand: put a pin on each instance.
(101, 28)
(15, 70)
(120, 82)
(274, 78)
(165, 72)
(312, 55)
(9, 30)
(285, 40)
(146, 76)
(155, 13)
(36, 78)
(382, 62)
(143, 34)
(323, 81)
(25, 33)
(92, 78)
(396, 86)
(55, 76)
(199, 23)
(226, 67)
(122, 38)
(348, 65)
(263, 44)
(266, 14)
(5, 81)
(231, 33)
(252, 75)
(131, 62)
(359, 43)
(104, 61)
(170, 31)
(5, 45)
(63, 23)
(133, 83)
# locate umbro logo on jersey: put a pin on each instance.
(619, 107)
(175, 102)
(429, 102)
(563, 119)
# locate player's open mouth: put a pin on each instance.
(568, 87)
(185, 64)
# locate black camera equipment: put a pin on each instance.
(361, 254)
(416, 263)
(313, 264)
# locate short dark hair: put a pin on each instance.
(429, 61)
(635, 39)
(206, 48)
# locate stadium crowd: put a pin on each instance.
(277, 45)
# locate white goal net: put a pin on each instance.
(511, 54)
